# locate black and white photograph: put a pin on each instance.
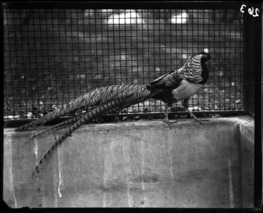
(132, 104)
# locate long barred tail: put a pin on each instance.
(93, 98)
(134, 94)
(115, 104)
(127, 89)
(64, 124)
(86, 100)
(55, 127)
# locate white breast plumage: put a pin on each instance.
(185, 90)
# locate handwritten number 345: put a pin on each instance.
(250, 10)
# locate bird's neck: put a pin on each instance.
(191, 72)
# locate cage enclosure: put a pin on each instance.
(56, 51)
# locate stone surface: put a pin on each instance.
(135, 164)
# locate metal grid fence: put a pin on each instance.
(52, 55)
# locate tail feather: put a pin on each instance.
(134, 89)
(133, 95)
(93, 98)
(96, 112)
(56, 127)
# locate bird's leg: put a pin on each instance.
(196, 119)
(185, 104)
(166, 118)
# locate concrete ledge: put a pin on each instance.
(135, 164)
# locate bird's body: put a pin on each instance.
(185, 90)
(182, 83)
(177, 85)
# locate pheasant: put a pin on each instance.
(169, 88)
(180, 84)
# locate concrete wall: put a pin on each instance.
(135, 164)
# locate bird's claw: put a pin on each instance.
(165, 120)
(195, 118)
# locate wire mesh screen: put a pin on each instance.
(52, 56)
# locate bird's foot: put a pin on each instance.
(169, 123)
(195, 118)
